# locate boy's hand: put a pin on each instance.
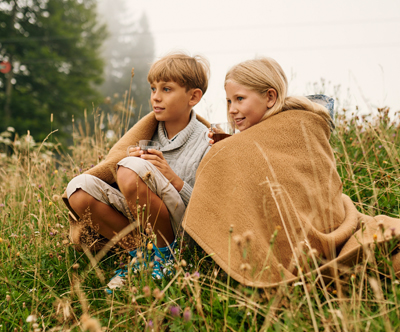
(134, 152)
(210, 135)
(157, 159)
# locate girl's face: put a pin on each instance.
(245, 106)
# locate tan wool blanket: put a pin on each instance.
(268, 204)
(106, 170)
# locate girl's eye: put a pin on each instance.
(153, 89)
(240, 98)
(228, 101)
(167, 89)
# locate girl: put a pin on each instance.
(270, 198)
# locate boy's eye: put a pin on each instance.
(153, 89)
(240, 98)
(228, 101)
(167, 89)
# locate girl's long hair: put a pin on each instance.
(263, 74)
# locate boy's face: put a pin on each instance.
(170, 101)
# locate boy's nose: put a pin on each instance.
(156, 96)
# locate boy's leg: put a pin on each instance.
(156, 213)
(108, 211)
(105, 219)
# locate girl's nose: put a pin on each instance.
(232, 109)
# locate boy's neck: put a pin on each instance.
(174, 127)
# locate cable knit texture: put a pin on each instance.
(185, 152)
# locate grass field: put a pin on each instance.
(45, 285)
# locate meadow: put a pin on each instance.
(46, 285)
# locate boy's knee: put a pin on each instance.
(127, 180)
(80, 201)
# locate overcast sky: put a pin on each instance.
(354, 44)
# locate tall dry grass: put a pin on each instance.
(45, 285)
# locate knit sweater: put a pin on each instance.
(184, 151)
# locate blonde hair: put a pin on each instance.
(263, 74)
(190, 72)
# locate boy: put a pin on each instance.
(160, 180)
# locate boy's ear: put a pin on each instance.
(195, 97)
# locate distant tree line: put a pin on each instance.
(67, 57)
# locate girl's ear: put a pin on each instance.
(271, 97)
(195, 97)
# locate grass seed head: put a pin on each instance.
(146, 291)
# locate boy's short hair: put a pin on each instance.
(189, 72)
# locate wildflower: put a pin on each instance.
(39, 200)
(175, 311)
(50, 255)
(375, 236)
(8, 298)
(75, 266)
(23, 305)
(51, 234)
(150, 324)
(187, 274)
(59, 258)
(56, 172)
(2, 205)
(183, 263)
(1, 240)
(31, 319)
(196, 275)
(18, 254)
(187, 314)
(149, 246)
(380, 146)
(353, 276)
(50, 203)
(334, 292)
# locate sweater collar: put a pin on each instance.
(180, 138)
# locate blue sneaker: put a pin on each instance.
(163, 261)
(119, 278)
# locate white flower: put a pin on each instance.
(31, 319)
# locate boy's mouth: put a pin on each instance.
(158, 109)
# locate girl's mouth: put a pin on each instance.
(239, 121)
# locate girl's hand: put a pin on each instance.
(210, 135)
(157, 159)
(134, 151)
